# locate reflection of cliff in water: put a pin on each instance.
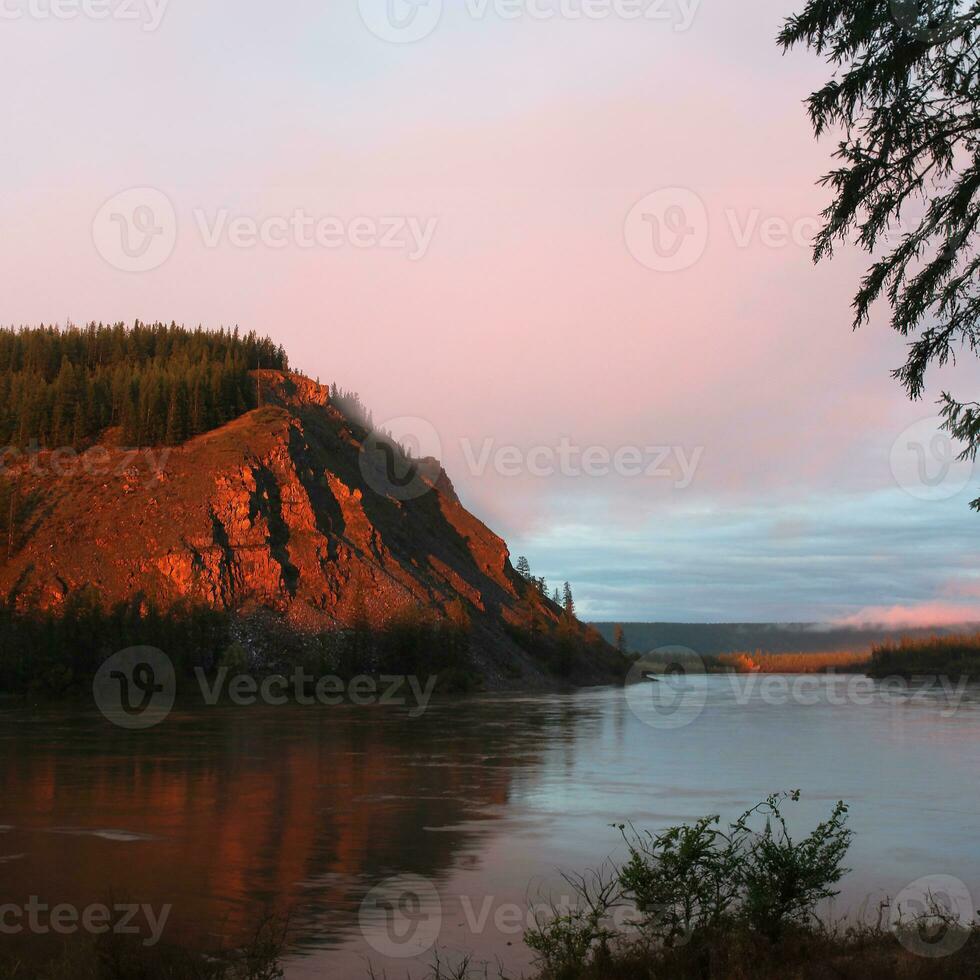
(229, 813)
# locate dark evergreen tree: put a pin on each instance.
(349, 404)
(904, 99)
(568, 603)
(159, 383)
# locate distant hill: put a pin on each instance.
(710, 639)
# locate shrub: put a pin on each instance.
(784, 881)
(682, 880)
(696, 876)
(695, 881)
(571, 937)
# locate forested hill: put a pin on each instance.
(158, 383)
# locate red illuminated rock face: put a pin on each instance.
(270, 512)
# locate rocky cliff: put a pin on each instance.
(292, 511)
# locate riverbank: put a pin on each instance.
(48, 657)
(112, 956)
(858, 954)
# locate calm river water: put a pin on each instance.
(457, 820)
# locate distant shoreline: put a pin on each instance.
(713, 639)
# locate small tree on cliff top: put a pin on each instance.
(568, 602)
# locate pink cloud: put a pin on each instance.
(921, 615)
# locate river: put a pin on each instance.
(222, 814)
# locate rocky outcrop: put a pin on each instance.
(270, 512)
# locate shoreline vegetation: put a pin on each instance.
(698, 901)
(55, 656)
(33, 663)
(956, 656)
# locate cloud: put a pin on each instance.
(925, 614)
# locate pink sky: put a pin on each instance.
(527, 320)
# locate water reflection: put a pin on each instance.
(228, 813)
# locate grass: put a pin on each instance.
(121, 957)
(816, 954)
(859, 953)
(743, 662)
(847, 661)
